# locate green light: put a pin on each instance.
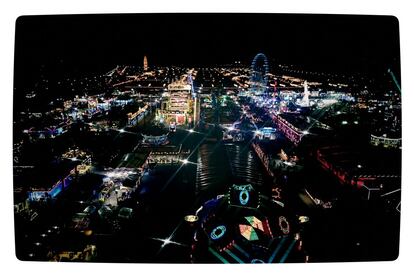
(224, 261)
(234, 256)
(394, 79)
(283, 259)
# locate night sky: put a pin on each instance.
(65, 45)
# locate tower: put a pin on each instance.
(145, 63)
(305, 99)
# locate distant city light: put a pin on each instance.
(185, 161)
(344, 122)
(359, 166)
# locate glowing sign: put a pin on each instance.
(218, 232)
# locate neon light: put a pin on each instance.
(244, 197)
(395, 80)
(234, 256)
(278, 247)
(257, 261)
(241, 250)
(218, 232)
(224, 261)
(284, 225)
(283, 259)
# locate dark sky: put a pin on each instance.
(96, 43)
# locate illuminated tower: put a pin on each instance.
(196, 100)
(145, 63)
(305, 99)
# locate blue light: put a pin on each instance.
(244, 197)
(257, 261)
(218, 232)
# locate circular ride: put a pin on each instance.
(244, 226)
(259, 74)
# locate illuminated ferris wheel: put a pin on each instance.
(259, 74)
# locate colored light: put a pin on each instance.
(244, 197)
(218, 232)
(191, 218)
(284, 225)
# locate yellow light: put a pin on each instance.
(191, 218)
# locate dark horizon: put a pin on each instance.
(78, 44)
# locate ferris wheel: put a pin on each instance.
(259, 74)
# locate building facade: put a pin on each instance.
(179, 106)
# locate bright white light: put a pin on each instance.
(122, 130)
(230, 128)
(191, 130)
(305, 132)
(74, 159)
(257, 132)
(185, 161)
(344, 122)
(359, 166)
(167, 241)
